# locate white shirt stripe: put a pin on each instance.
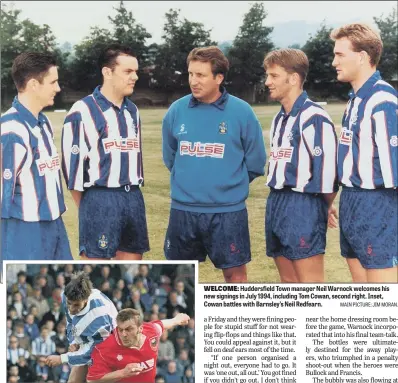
(349, 160)
(366, 147)
(132, 155)
(383, 146)
(93, 139)
(310, 112)
(274, 145)
(67, 141)
(113, 132)
(304, 161)
(330, 156)
(280, 171)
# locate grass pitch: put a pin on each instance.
(157, 201)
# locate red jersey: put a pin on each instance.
(111, 355)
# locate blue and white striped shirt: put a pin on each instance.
(303, 149)
(14, 354)
(368, 144)
(31, 188)
(89, 327)
(43, 347)
(101, 144)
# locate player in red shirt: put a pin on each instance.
(129, 355)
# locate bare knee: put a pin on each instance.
(389, 275)
(287, 273)
(235, 274)
(124, 256)
(289, 278)
(78, 374)
(311, 269)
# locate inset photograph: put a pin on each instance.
(100, 323)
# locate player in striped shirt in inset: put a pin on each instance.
(102, 163)
(302, 172)
(367, 158)
(90, 319)
(31, 191)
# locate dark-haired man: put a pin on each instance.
(31, 191)
(213, 146)
(90, 319)
(130, 353)
(102, 163)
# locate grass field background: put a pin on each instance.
(157, 201)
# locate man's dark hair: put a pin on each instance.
(79, 288)
(30, 65)
(109, 55)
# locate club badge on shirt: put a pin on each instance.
(153, 343)
(7, 174)
(222, 128)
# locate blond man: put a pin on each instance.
(367, 158)
(301, 173)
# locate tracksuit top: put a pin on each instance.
(213, 151)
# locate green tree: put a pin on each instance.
(125, 30)
(9, 28)
(319, 50)
(128, 32)
(179, 38)
(321, 79)
(22, 36)
(249, 48)
(36, 37)
(388, 27)
(86, 73)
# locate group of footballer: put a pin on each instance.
(213, 146)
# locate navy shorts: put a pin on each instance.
(112, 219)
(224, 237)
(295, 224)
(369, 226)
(34, 241)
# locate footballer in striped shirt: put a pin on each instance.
(302, 172)
(90, 319)
(31, 190)
(367, 158)
(102, 163)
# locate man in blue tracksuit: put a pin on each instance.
(213, 146)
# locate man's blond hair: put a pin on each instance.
(291, 60)
(362, 38)
(127, 314)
